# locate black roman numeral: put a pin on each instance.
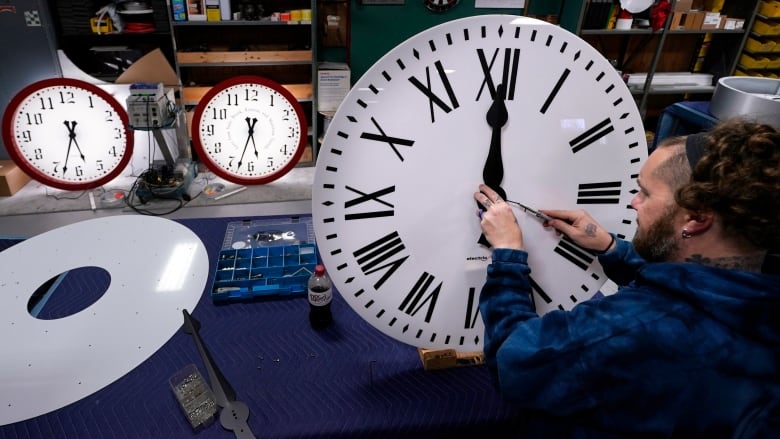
(472, 309)
(508, 73)
(420, 295)
(382, 255)
(574, 253)
(382, 137)
(592, 135)
(432, 97)
(364, 198)
(535, 288)
(554, 91)
(599, 193)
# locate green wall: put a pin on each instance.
(376, 29)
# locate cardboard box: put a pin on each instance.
(696, 21)
(678, 18)
(690, 20)
(196, 10)
(152, 67)
(333, 84)
(12, 178)
(711, 20)
(683, 5)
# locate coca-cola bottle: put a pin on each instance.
(320, 296)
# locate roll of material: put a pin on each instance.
(757, 99)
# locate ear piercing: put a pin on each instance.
(686, 234)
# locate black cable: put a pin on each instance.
(142, 183)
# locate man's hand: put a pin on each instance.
(498, 221)
(581, 228)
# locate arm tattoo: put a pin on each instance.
(591, 229)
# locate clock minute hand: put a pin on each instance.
(72, 135)
(250, 136)
(493, 172)
(71, 138)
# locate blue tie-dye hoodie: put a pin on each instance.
(681, 350)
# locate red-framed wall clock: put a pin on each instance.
(67, 133)
(249, 130)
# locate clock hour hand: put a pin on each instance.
(72, 135)
(250, 123)
(493, 172)
(252, 136)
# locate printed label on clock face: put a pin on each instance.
(67, 134)
(249, 132)
(393, 208)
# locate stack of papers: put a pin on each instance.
(670, 80)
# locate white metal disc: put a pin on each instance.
(157, 266)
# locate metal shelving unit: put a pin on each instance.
(721, 59)
(207, 52)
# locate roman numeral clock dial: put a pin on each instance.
(394, 216)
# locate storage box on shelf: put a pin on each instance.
(770, 9)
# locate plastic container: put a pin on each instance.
(194, 395)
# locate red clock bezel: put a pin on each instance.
(18, 157)
(203, 155)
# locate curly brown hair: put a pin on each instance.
(739, 178)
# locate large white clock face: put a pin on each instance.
(67, 133)
(393, 208)
(249, 130)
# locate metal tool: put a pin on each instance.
(234, 414)
(533, 212)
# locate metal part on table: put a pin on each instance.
(751, 97)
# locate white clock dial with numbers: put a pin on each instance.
(67, 133)
(394, 215)
(249, 130)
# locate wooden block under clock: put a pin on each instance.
(436, 359)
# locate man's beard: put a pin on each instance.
(658, 243)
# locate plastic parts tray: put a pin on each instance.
(265, 258)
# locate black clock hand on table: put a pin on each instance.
(493, 172)
(250, 136)
(234, 414)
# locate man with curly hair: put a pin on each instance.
(689, 345)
